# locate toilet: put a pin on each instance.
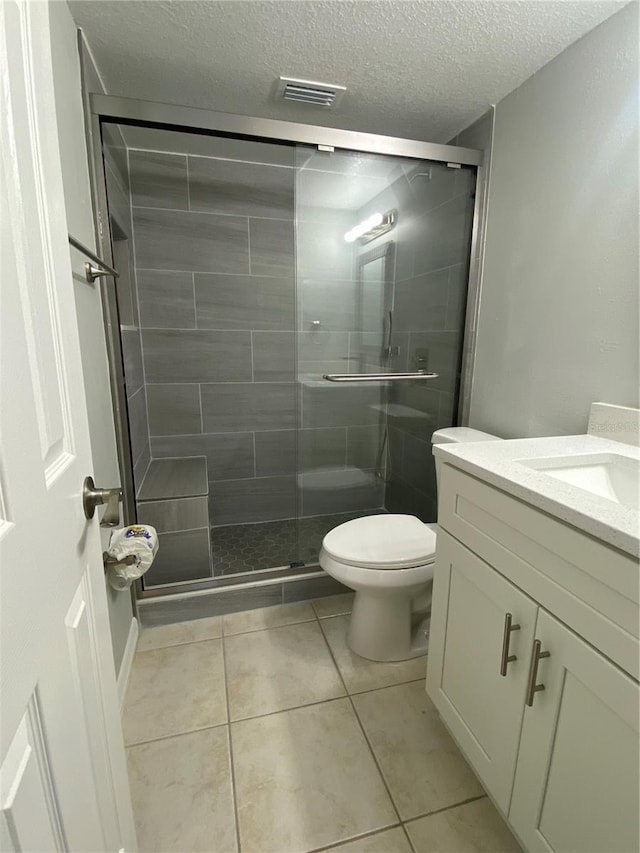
(388, 560)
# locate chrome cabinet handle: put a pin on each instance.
(506, 658)
(93, 497)
(536, 656)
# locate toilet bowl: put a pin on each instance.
(388, 561)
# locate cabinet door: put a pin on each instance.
(576, 785)
(482, 708)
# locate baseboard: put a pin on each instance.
(127, 660)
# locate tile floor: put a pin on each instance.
(261, 732)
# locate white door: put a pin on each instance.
(482, 708)
(576, 786)
(63, 783)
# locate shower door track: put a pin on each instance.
(234, 581)
(153, 113)
(109, 108)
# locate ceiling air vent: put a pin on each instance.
(308, 92)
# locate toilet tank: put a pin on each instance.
(458, 435)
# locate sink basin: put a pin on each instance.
(608, 475)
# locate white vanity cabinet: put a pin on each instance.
(482, 708)
(576, 783)
(560, 761)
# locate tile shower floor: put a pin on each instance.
(262, 732)
(268, 544)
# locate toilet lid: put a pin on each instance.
(382, 542)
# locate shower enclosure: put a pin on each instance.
(264, 283)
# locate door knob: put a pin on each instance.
(93, 497)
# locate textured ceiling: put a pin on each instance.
(422, 69)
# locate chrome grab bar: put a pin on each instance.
(378, 377)
(91, 272)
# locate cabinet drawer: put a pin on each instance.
(569, 573)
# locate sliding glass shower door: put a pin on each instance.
(251, 272)
(382, 259)
(207, 330)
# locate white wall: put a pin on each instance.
(75, 173)
(558, 324)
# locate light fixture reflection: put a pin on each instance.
(371, 227)
(360, 230)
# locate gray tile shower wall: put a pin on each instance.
(215, 268)
(222, 335)
(166, 299)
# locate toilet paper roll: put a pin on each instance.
(138, 541)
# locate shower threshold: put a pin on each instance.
(258, 553)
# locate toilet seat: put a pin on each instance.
(382, 542)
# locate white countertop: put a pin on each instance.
(496, 463)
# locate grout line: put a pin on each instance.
(195, 312)
(346, 445)
(231, 382)
(446, 808)
(211, 213)
(408, 279)
(202, 432)
(248, 431)
(177, 645)
(408, 837)
(386, 687)
(231, 761)
(214, 272)
(375, 759)
(186, 160)
(272, 628)
(218, 157)
(182, 529)
(197, 328)
(249, 244)
(351, 838)
(174, 735)
(287, 710)
(353, 708)
(255, 461)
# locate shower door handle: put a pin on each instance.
(378, 377)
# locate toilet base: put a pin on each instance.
(384, 628)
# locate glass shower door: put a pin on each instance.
(382, 258)
(205, 225)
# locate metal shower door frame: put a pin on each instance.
(108, 108)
